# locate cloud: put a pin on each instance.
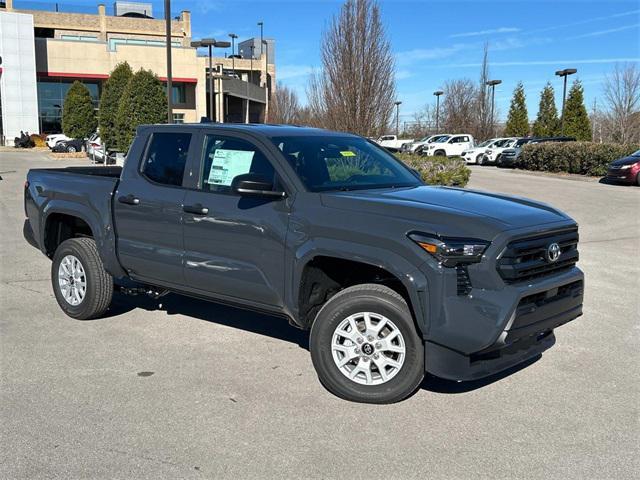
(606, 32)
(588, 20)
(486, 32)
(287, 72)
(402, 74)
(545, 62)
(410, 56)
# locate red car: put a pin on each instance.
(625, 170)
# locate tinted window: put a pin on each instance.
(166, 158)
(224, 158)
(343, 163)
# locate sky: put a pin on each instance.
(435, 41)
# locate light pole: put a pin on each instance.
(397, 104)
(210, 43)
(266, 77)
(261, 25)
(564, 73)
(437, 93)
(167, 20)
(492, 84)
(233, 51)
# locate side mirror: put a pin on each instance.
(254, 185)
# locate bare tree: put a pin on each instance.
(355, 91)
(459, 109)
(284, 107)
(483, 127)
(622, 97)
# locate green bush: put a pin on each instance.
(584, 158)
(78, 115)
(109, 101)
(452, 171)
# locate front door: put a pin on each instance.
(234, 246)
(148, 210)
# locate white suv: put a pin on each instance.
(493, 153)
(424, 142)
(454, 145)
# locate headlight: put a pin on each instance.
(624, 167)
(489, 152)
(451, 251)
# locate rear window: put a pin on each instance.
(166, 157)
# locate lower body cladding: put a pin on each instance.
(486, 332)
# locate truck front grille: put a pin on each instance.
(527, 258)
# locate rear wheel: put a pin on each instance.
(439, 153)
(479, 159)
(71, 149)
(365, 347)
(638, 179)
(80, 283)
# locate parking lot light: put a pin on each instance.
(437, 93)
(492, 84)
(564, 73)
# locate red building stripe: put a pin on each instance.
(100, 76)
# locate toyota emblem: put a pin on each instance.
(553, 252)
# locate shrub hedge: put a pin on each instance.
(452, 171)
(584, 158)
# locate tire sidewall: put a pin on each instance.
(332, 314)
(70, 247)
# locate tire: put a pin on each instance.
(638, 179)
(71, 149)
(377, 301)
(439, 153)
(479, 159)
(98, 284)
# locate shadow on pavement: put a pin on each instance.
(275, 327)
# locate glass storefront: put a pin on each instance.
(51, 93)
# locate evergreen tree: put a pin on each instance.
(143, 102)
(547, 123)
(78, 115)
(109, 102)
(518, 120)
(576, 119)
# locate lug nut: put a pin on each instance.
(378, 345)
(359, 340)
(370, 338)
(376, 356)
(366, 359)
(357, 350)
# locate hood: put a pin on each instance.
(630, 160)
(449, 211)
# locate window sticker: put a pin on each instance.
(228, 164)
(348, 153)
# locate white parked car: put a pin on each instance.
(414, 146)
(476, 154)
(55, 138)
(392, 141)
(451, 146)
(493, 153)
(95, 149)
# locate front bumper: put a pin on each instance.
(627, 175)
(479, 324)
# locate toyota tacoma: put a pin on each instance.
(392, 277)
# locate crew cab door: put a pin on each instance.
(234, 245)
(458, 144)
(148, 209)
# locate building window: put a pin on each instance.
(114, 42)
(79, 38)
(51, 95)
(178, 93)
(178, 118)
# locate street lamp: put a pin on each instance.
(564, 73)
(397, 103)
(167, 19)
(233, 51)
(210, 43)
(266, 75)
(261, 25)
(437, 93)
(492, 84)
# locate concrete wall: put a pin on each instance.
(18, 77)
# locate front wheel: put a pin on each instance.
(80, 283)
(479, 159)
(71, 149)
(365, 347)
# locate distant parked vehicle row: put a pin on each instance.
(55, 138)
(509, 156)
(392, 142)
(95, 148)
(68, 146)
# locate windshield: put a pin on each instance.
(485, 143)
(636, 154)
(343, 163)
(441, 139)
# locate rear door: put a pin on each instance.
(148, 209)
(234, 246)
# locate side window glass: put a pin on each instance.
(166, 157)
(224, 158)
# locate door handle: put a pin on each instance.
(196, 209)
(129, 199)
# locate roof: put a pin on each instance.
(265, 129)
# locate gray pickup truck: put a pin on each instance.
(392, 277)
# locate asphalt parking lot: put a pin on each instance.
(189, 389)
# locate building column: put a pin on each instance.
(219, 101)
(102, 13)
